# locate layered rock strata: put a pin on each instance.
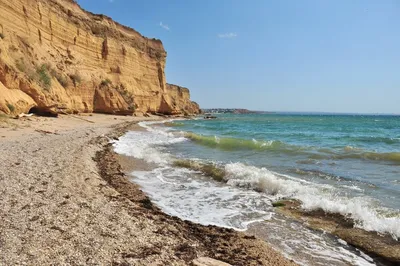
(55, 54)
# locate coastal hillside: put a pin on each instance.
(53, 54)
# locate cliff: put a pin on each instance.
(55, 54)
(181, 103)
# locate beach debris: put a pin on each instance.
(83, 119)
(209, 169)
(46, 132)
(205, 261)
(23, 115)
(278, 204)
(146, 203)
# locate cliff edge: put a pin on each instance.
(54, 54)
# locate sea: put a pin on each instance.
(340, 163)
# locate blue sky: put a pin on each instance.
(311, 55)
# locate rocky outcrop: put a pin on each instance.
(53, 53)
(181, 102)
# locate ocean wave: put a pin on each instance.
(147, 146)
(368, 139)
(317, 173)
(366, 212)
(372, 139)
(236, 143)
(363, 210)
(375, 156)
(314, 153)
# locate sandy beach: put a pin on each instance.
(65, 200)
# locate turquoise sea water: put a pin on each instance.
(343, 150)
(348, 164)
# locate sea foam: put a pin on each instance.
(245, 198)
(365, 211)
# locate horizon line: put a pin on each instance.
(309, 112)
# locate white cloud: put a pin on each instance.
(227, 35)
(165, 27)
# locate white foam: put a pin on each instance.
(365, 211)
(147, 146)
(181, 193)
(201, 200)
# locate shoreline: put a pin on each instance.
(211, 241)
(382, 248)
(57, 206)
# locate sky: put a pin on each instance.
(287, 55)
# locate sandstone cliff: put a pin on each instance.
(181, 103)
(53, 53)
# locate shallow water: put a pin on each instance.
(345, 164)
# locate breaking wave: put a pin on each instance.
(365, 211)
(347, 152)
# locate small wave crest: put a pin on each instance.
(235, 143)
(366, 213)
(313, 153)
(147, 146)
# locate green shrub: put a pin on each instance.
(11, 107)
(62, 79)
(128, 96)
(76, 79)
(44, 76)
(20, 64)
(105, 82)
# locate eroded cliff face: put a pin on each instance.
(181, 103)
(53, 53)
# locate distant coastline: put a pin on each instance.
(233, 111)
(247, 111)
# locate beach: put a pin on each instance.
(65, 200)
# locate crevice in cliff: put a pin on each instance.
(123, 51)
(161, 76)
(25, 11)
(104, 49)
(51, 30)
(39, 11)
